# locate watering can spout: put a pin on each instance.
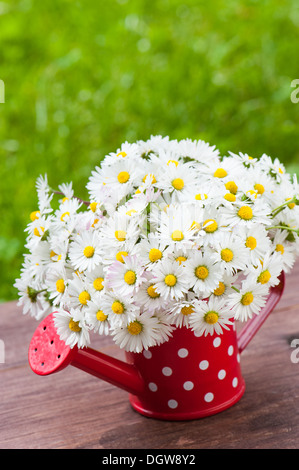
(49, 354)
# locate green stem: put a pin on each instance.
(283, 227)
(237, 290)
(282, 207)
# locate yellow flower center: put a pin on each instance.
(121, 154)
(173, 161)
(74, 326)
(38, 232)
(152, 292)
(280, 248)
(201, 272)
(178, 184)
(123, 177)
(134, 328)
(264, 277)
(211, 317)
(177, 236)
(181, 259)
(93, 206)
(121, 255)
(251, 243)
(153, 178)
(247, 298)
(98, 283)
(231, 187)
(259, 188)
(230, 197)
(34, 215)
(220, 289)
(101, 315)
(245, 213)
(199, 196)
(291, 205)
(187, 310)
(154, 255)
(88, 251)
(60, 287)
(130, 277)
(195, 225)
(65, 214)
(95, 222)
(84, 297)
(130, 212)
(170, 280)
(120, 235)
(227, 255)
(220, 173)
(210, 226)
(117, 307)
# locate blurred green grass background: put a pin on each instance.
(81, 77)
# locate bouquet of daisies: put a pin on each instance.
(173, 235)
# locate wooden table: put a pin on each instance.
(72, 409)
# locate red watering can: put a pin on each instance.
(184, 378)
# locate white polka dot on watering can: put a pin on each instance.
(172, 404)
(235, 382)
(216, 342)
(167, 371)
(203, 365)
(188, 385)
(153, 387)
(221, 374)
(209, 397)
(147, 354)
(230, 351)
(183, 352)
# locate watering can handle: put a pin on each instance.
(254, 324)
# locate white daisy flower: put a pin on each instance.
(248, 301)
(231, 253)
(213, 225)
(71, 327)
(257, 241)
(95, 280)
(179, 225)
(225, 286)
(57, 282)
(147, 298)
(31, 299)
(274, 168)
(198, 150)
(247, 213)
(285, 249)
(177, 178)
(95, 317)
(224, 170)
(210, 317)
(203, 273)
(85, 251)
(170, 279)
(268, 270)
(180, 312)
(126, 277)
(138, 334)
(245, 159)
(78, 293)
(120, 309)
(118, 230)
(152, 250)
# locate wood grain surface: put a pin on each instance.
(74, 410)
